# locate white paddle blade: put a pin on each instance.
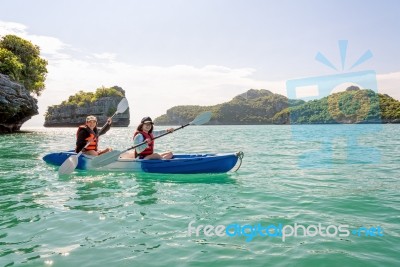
(68, 165)
(202, 118)
(122, 106)
(106, 158)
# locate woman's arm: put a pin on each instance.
(105, 128)
(158, 133)
(137, 140)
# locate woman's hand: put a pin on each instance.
(170, 130)
(108, 149)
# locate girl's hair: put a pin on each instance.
(140, 128)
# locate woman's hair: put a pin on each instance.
(140, 128)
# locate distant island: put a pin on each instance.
(354, 105)
(102, 104)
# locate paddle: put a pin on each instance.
(112, 156)
(122, 106)
(70, 163)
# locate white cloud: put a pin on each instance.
(389, 84)
(50, 47)
(12, 28)
(107, 56)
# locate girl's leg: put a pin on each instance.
(128, 155)
(167, 155)
(153, 156)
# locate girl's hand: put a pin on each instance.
(170, 130)
(148, 140)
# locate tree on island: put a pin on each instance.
(81, 98)
(21, 61)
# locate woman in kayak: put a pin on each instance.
(87, 137)
(144, 132)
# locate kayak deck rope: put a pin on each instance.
(240, 156)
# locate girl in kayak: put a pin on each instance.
(89, 133)
(144, 132)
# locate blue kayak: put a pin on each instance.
(180, 163)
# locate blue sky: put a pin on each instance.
(200, 52)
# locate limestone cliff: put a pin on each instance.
(72, 115)
(16, 105)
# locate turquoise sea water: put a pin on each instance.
(304, 175)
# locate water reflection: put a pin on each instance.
(147, 183)
(105, 190)
(146, 192)
(222, 178)
(95, 192)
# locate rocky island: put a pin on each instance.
(354, 105)
(22, 76)
(102, 104)
(16, 105)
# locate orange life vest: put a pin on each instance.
(93, 144)
(150, 147)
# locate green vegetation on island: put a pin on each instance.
(21, 61)
(264, 107)
(81, 98)
(351, 106)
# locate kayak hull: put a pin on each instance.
(179, 164)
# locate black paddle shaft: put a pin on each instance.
(144, 142)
